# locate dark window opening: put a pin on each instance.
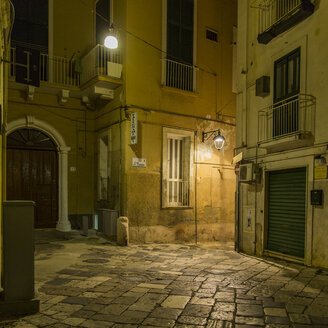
(180, 30)
(102, 20)
(180, 44)
(31, 24)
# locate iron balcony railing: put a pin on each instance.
(75, 71)
(55, 69)
(101, 61)
(180, 76)
(291, 116)
(271, 12)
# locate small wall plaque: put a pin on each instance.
(320, 172)
(139, 162)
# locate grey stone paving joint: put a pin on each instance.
(179, 286)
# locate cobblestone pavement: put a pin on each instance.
(103, 285)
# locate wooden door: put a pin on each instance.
(32, 174)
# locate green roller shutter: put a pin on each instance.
(286, 215)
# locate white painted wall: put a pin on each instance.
(254, 61)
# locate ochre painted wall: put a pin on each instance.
(73, 27)
(215, 182)
(137, 192)
(69, 121)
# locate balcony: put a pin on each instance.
(94, 75)
(54, 70)
(102, 64)
(277, 16)
(179, 76)
(287, 124)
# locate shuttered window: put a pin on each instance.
(286, 212)
(286, 89)
(31, 24)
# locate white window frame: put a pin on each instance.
(186, 176)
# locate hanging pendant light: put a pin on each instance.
(111, 41)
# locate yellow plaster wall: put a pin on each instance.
(142, 195)
(4, 47)
(144, 64)
(69, 121)
(149, 221)
(73, 27)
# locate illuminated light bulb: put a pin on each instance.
(219, 141)
(111, 42)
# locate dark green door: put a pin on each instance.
(286, 214)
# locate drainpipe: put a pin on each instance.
(255, 203)
(196, 228)
(237, 216)
(120, 168)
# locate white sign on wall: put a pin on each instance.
(139, 162)
(134, 128)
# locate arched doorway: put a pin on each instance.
(32, 173)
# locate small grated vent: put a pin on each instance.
(211, 35)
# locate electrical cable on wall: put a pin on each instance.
(150, 44)
(211, 72)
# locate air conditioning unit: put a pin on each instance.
(246, 172)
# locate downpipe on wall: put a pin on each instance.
(196, 149)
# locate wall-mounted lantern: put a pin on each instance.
(218, 138)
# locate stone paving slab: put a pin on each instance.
(172, 286)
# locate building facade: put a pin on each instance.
(5, 23)
(281, 130)
(122, 129)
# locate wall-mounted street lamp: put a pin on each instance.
(111, 40)
(218, 138)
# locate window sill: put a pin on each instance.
(177, 208)
(179, 91)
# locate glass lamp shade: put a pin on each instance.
(219, 141)
(111, 42)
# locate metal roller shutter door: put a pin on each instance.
(286, 214)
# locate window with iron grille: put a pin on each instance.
(177, 187)
(176, 169)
